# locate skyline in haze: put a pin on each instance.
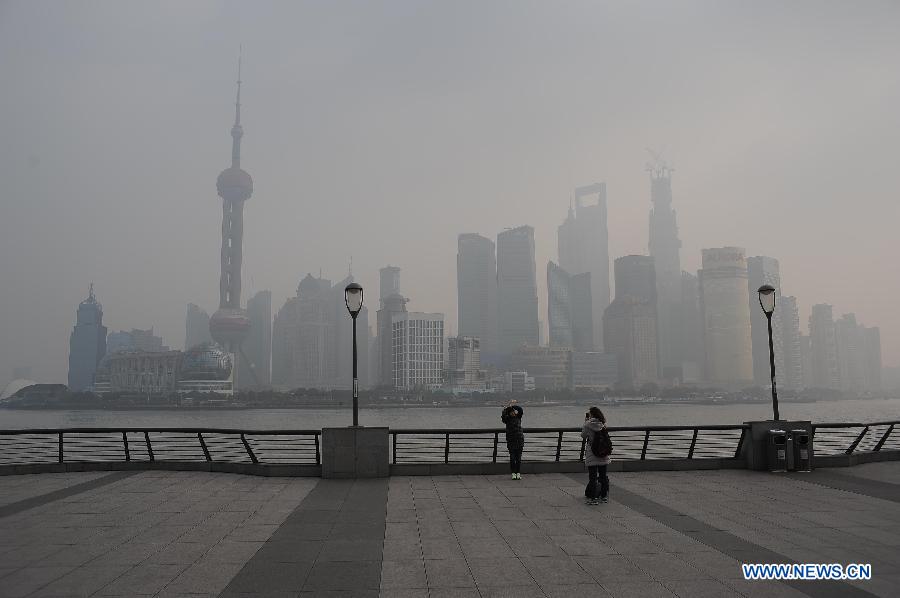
(381, 132)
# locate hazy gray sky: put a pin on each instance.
(384, 129)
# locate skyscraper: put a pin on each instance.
(517, 296)
(463, 371)
(570, 310)
(823, 348)
(726, 316)
(791, 373)
(476, 284)
(583, 244)
(763, 270)
(315, 337)
(630, 322)
(417, 350)
(286, 344)
(87, 343)
(693, 357)
(229, 325)
(196, 327)
(559, 306)
(391, 302)
(851, 361)
(256, 370)
(871, 341)
(665, 248)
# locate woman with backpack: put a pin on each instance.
(515, 438)
(596, 456)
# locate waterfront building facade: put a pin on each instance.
(87, 343)
(570, 309)
(665, 249)
(583, 245)
(463, 371)
(196, 327)
(256, 367)
(549, 366)
(476, 284)
(823, 348)
(517, 293)
(726, 316)
(630, 325)
(418, 350)
(790, 375)
(693, 357)
(593, 370)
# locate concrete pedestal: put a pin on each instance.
(355, 452)
(754, 449)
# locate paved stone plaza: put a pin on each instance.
(159, 533)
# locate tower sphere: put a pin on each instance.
(229, 326)
(234, 183)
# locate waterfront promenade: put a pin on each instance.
(166, 533)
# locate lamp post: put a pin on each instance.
(353, 298)
(767, 303)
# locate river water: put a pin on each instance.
(858, 410)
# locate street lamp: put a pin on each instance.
(767, 303)
(353, 298)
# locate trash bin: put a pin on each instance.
(802, 458)
(777, 448)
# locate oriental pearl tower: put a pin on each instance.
(229, 325)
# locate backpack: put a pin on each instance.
(601, 444)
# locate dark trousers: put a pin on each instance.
(597, 473)
(515, 460)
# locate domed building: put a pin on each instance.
(15, 386)
(206, 368)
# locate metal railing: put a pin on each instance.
(423, 446)
(213, 445)
(850, 438)
(410, 446)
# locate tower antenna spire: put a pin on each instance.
(237, 131)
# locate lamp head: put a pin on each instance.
(767, 298)
(353, 298)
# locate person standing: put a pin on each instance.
(596, 456)
(515, 437)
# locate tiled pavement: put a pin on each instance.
(663, 534)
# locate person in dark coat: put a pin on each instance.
(597, 490)
(515, 438)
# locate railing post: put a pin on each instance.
(149, 448)
(125, 444)
(857, 441)
(496, 441)
(693, 444)
(249, 450)
(316, 438)
(740, 444)
(203, 446)
(646, 441)
(61, 457)
(559, 445)
(883, 439)
(394, 447)
(447, 447)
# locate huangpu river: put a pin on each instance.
(537, 415)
